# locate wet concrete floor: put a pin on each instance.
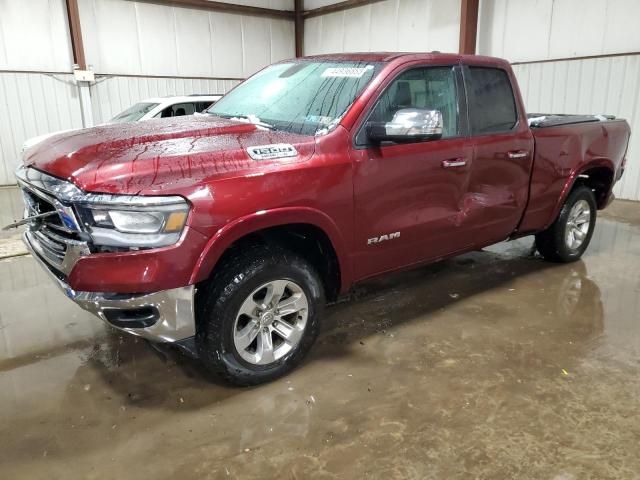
(11, 209)
(495, 364)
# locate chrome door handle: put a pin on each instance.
(456, 162)
(518, 154)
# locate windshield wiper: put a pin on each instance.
(251, 118)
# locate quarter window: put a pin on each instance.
(492, 108)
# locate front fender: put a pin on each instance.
(263, 219)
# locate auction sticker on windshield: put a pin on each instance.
(346, 72)
(267, 152)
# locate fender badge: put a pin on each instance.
(383, 238)
(267, 152)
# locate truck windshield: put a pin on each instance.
(134, 113)
(307, 97)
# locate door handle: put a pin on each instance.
(518, 154)
(456, 162)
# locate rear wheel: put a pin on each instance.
(259, 315)
(569, 236)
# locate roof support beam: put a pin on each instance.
(226, 7)
(262, 11)
(75, 32)
(468, 26)
(338, 7)
(299, 26)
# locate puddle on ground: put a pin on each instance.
(495, 364)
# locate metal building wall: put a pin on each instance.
(141, 50)
(390, 25)
(276, 4)
(608, 85)
(537, 32)
(313, 4)
(137, 49)
(33, 104)
(534, 30)
(138, 38)
(33, 38)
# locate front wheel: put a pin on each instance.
(259, 315)
(569, 236)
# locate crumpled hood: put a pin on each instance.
(159, 156)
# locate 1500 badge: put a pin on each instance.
(267, 152)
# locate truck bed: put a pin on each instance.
(544, 120)
(567, 147)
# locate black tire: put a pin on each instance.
(552, 243)
(220, 298)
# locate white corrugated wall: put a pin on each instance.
(137, 38)
(537, 31)
(609, 85)
(33, 37)
(33, 104)
(534, 30)
(389, 25)
(142, 50)
(137, 50)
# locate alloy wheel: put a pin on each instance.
(270, 322)
(578, 224)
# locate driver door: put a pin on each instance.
(408, 196)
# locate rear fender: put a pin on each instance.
(261, 220)
(573, 178)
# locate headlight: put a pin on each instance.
(145, 223)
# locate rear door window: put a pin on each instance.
(492, 107)
(178, 110)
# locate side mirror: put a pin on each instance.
(408, 125)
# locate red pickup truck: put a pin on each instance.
(226, 233)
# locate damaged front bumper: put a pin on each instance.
(165, 316)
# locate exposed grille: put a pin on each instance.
(51, 234)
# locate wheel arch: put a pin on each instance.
(598, 175)
(289, 227)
